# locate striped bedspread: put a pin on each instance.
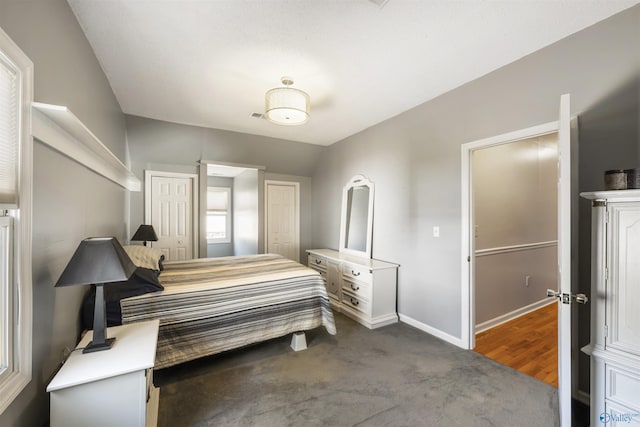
(211, 305)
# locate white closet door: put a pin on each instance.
(171, 207)
(282, 234)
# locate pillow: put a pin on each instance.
(142, 281)
(145, 257)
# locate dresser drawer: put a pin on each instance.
(316, 262)
(617, 415)
(323, 274)
(623, 387)
(357, 272)
(354, 302)
(359, 289)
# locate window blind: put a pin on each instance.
(9, 134)
(217, 199)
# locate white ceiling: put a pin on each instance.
(209, 62)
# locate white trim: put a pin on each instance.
(195, 189)
(296, 186)
(467, 289)
(433, 331)
(516, 248)
(11, 387)
(58, 127)
(231, 164)
(504, 318)
(6, 295)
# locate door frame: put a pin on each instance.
(296, 187)
(195, 213)
(568, 179)
(468, 243)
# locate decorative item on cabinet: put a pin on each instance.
(622, 179)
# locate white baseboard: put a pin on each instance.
(433, 331)
(481, 327)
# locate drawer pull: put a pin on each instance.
(355, 273)
(355, 302)
(354, 287)
(318, 261)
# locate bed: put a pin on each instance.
(210, 305)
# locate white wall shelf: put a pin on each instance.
(58, 127)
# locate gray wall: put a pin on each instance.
(174, 147)
(515, 203)
(415, 162)
(69, 201)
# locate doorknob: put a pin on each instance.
(566, 298)
(552, 293)
(581, 298)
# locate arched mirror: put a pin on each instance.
(356, 227)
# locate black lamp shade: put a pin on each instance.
(145, 233)
(98, 260)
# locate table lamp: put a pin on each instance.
(145, 233)
(98, 261)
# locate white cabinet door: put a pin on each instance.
(333, 280)
(624, 271)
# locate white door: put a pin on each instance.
(170, 210)
(564, 261)
(565, 298)
(282, 219)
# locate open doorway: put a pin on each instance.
(514, 211)
(231, 208)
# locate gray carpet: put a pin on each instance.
(392, 376)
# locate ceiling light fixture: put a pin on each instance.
(286, 105)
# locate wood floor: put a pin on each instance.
(528, 344)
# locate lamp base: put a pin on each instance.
(99, 346)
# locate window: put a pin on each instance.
(218, 215)
(16, 145)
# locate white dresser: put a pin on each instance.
(112, 387)
(615, 310)
(362, 288)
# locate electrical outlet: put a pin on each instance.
(436, 231)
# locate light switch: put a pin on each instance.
(436, 231)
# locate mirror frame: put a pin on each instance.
(354, 182)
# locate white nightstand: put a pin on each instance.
(112, 387)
